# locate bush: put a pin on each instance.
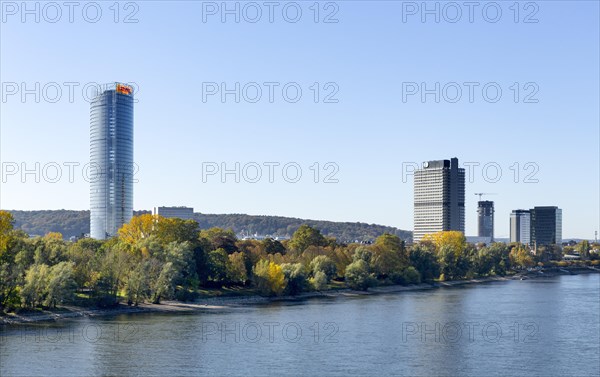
(319, 281)
(295, 276)
(412, 276)
(323, 264)
(358, 275)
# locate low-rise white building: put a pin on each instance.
(185, 213)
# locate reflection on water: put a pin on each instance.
(542, 327)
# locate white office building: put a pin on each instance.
(185, 213)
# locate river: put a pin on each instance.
(537, 327)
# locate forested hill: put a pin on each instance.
(74, 223)
(286, 226)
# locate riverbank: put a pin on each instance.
(220, 303)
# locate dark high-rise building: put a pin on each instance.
(439, 198)
(546, 226)
(485, 219)
(520, 226)
(111, 160)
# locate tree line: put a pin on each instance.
(154, 258)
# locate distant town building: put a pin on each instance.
(244, 236)
(184, 213)
(520, 226)
(111, 160)
(546, 226)
(485, 219)
(439, 198)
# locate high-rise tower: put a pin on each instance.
(439, 198)
(111, 160)
(485, 219)
(520, 226)
(546, 226)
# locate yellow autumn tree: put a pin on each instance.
(269, 277)
(276, 278)
(6, 226)
(453, 239)
(56, 236)
(139, 228)
(519, 256)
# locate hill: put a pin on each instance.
(74, 223)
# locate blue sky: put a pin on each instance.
(369, 56)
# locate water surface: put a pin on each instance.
(540, 327)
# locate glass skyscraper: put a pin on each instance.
(111, 160)
(485, 219)
(546, 226)
(520, 226)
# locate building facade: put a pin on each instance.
(520, 226)
(184, 213)
(439, 198)
(485, 219)
(546, 226)
(111, 160)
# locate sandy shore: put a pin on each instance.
(219, 303)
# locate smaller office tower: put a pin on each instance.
(485, 219)
(546, 226)
(520, 226)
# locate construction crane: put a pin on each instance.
(484, 193)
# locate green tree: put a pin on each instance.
(163, 286)
(491, 260)
(390, 242)
(272, 246)
(411, 275)
(218, 238)
(319, 281)
(137, 285)
(362, 253)
(323, 263)
(85, 255)
(114, 266)
(181, 255)
(389, 256)
(218, 261)
(237, 272)
(34, 290)
(177, 230)
(14, 261)
(447, 260)
(306, 236)
(295, 276)
(425, 262)
(50, 250)
(60, 284)
(358, 275)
